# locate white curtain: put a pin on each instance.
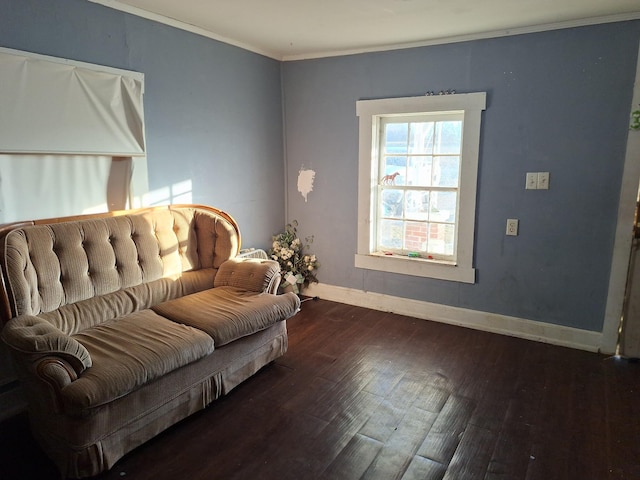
(71, 137)
(54, 106)
(45, 186)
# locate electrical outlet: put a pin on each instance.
(532, 181)
(512, 226)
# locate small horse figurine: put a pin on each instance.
(389, 179)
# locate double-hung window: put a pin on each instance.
(417, 185)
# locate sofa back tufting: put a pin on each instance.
(67, 272)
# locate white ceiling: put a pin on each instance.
(294, 29)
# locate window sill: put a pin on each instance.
(418, 267)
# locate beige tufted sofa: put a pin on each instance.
(122, 324)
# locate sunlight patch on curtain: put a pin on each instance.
(45, 186)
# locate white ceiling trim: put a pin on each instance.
(116, 5)
(476, 36)
(172, 22)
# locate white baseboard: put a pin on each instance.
(489, 322)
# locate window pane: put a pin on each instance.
(441, 237)
(392, 203)
(443, 207)
(419, 171)
(395, 137)
(390, 234)
(446, 171)
(415, 236)
(448, 137)
(417, 160)
(391, 167)
(417, 205)
(421, 137)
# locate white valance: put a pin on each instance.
(55, 106)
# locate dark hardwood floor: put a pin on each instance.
(373, 395)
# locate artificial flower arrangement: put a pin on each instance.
(298, 268)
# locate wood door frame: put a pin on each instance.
(624, 231)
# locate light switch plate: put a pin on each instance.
(532, 181)
(543, 180)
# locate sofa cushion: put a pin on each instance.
(74, 318)
(228, 313)
(129, 352)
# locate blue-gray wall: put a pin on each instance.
(558, 101)
(213, 112)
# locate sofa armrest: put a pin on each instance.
(35, 337)
(253, 274)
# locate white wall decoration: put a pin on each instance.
(72, 137)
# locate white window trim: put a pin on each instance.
(368, 112)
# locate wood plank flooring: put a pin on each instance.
(370, 395)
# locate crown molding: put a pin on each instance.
(117, 5)
(172, 22)
(584, 22)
